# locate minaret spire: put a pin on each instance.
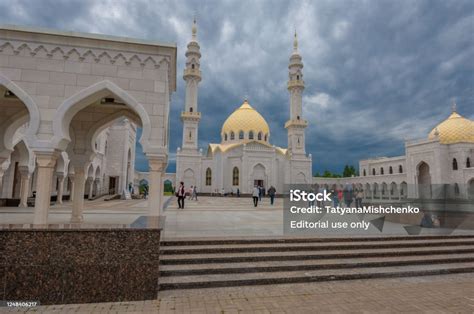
(296, 124)
(295, 43)
(192, 76)
(194, 29)
(453, 105)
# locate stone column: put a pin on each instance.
(155, 199)
(2, 172)
(91, 188)
(400, 192)
(71, 187)
(372, 194)
(78, 194)
(45, 162)
(25, 177)
(60, 177)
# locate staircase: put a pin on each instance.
(229, 263)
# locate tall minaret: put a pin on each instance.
(192, 75)
(296, 125)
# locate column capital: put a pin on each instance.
(60, 175)
(24, 171)
(47, 159)
(157, 163)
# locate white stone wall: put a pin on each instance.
(52, 67)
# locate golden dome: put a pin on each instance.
(245, 119)
(455, 129)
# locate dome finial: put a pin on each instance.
(194, 28)
(295, 42)
(453, 105)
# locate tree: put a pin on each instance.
(349, 171)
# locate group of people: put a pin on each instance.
(181, 194)
(259, 192)
(343, 197)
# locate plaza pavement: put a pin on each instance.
(236, 217)
(209, 217)
(433, 294)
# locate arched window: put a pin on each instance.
(235, 176)
(259, 136)
(455, 164)
(297, 77)
(373, 172)
(232, 136)
(266, 137)
(400, 169)
(390, 170)
(208, 177)
(191, 109)
(241, 135)
(381, 170)
(297, 117)
(365, 173)
(251, 135)
(225, 137)
(190, 135)
(468, 163)
(192, 66)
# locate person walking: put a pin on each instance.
(358, 197)
(238, 192)
(271, 193)
(181, 194)
(190, 192)
(260, 192)
(145, 191)
(339, 196)
(195, 193)
(335, 199)
(255, 194)
(348, 195)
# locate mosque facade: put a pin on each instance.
(436, 167)
(245, 156)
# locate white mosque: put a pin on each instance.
(245, 156)
(438, 166)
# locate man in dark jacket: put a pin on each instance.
(271, 193)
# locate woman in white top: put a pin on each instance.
(255, 194)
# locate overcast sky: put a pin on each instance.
(377, 72)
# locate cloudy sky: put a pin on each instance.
(377, 72)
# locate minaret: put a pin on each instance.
(296, 125)
(192, 75)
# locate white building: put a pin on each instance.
(69, 107)
(245, 156)
(438, 166)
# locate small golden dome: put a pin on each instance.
(455, 129)
(245, 119)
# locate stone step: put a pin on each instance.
(247, 267)
(266, 278)
(206, 241)
(310, 255)
(286, 247)
(305, 244)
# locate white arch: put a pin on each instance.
(301, 178)
(106, 122)
(27, 101)
(84, 98)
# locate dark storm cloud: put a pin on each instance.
(376, 72)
